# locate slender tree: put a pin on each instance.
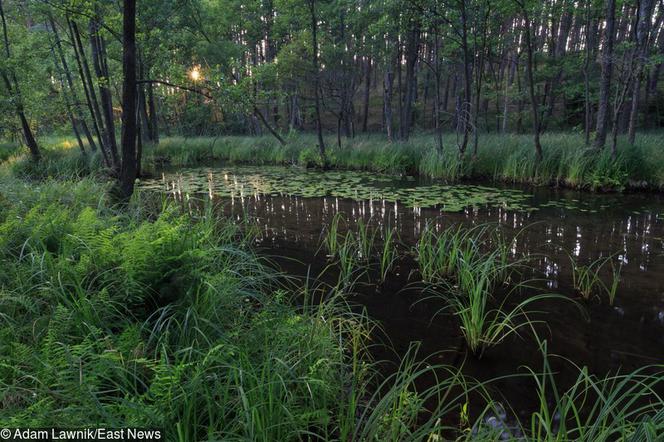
(642, 31)
(129, 165)
(531, 81)
(316, 75)
(13, 89)
(605, 80)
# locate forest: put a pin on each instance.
(344, 220)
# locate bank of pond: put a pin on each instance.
(501, 158)
(272, 303)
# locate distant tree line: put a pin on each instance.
(342, 66)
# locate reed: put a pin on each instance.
(597, 408)
(389, 253)
(484, 320)
(500, 157)
(365, 240)
(587, 279)
(331, 236)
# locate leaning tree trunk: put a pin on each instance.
(90, 94)
(70, 82)
(11, 83)
(605, 79)
(99, 63)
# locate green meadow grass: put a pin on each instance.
(501, 158)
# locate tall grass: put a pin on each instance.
(388, 253)
(588, 281)
(615, 407)
(360, 250)
(470, 268)
(500, 157)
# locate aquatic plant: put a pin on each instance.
(485, 322)
(587, 279)
(438, 254)
(331, 235)
(592, 408)
(365, 239)
(612, 289)
(348, 256)
(389, 253)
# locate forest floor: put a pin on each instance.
(567, 160)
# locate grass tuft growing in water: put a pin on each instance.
(587, 279)
(457, 268)
(389, 253)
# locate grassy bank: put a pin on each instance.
(124, 319)
(501, 158)
(152, 316)
(506, 158)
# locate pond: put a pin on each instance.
(555, 227)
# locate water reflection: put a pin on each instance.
(549, 226)
(633, 228)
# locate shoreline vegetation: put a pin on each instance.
(501, 158)
(154, 316)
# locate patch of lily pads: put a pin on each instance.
(243, 181)
(361, 186)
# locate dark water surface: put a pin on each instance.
(293, 207)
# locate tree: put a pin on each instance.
(129, 165)
(316, 74)
(605, 80)
(642, 31)
(537, 127)
(13, 89)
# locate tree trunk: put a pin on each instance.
(463, 112)
(387, 99)
(314, 65)
(531, 88)
(129, 165)
(99, 63)
(642, 31)
(154, 120)
(68, 102)
(11, 83)
(70, 82)
(412, 51)
(437, 103)
(586, 77)
(367, 89)
(90, 94)
(605, 79)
